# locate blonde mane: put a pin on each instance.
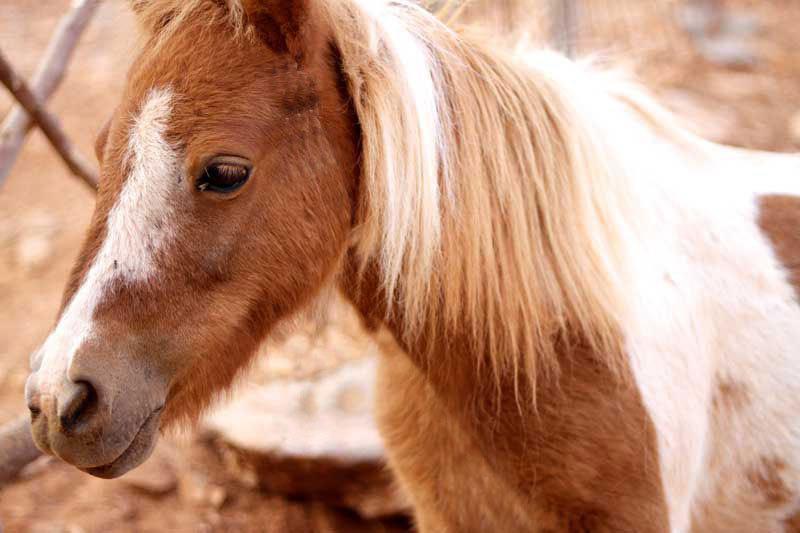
(490, 203)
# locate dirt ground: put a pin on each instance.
(44, 212)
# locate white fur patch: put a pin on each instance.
(711, 305)
(137, 229)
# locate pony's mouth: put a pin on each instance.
(136, 453)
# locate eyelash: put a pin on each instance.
(223, 177)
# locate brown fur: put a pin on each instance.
(792, 524)
(585, 459)
(779, 219)
(766, 480)
(730, 395)
(586, 462)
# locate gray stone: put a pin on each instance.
(326, 418)
(728, 51)
(315, 439)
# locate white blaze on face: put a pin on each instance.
(137, 229)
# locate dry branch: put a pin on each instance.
(48, 76)
(16, 448)
(47, 123)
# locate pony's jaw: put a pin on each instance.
(137, 452)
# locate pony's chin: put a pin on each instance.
(139, 450)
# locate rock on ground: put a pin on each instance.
(312, 439)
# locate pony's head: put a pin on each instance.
(229, 172)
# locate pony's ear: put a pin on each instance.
(286, 26)
(153, 15)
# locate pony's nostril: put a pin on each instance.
(32, 396)
(76, 404)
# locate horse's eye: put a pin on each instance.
(223, 175)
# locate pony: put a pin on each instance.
(589, 316)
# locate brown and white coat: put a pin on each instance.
(590, 318)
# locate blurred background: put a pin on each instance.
(295, 449)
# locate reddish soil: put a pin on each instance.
(44, 213)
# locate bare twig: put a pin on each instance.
(48, 76)
(16, 448)
(564, 14)
(47, 123)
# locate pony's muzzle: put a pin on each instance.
(101, 417)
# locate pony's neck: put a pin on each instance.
(493, 210)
